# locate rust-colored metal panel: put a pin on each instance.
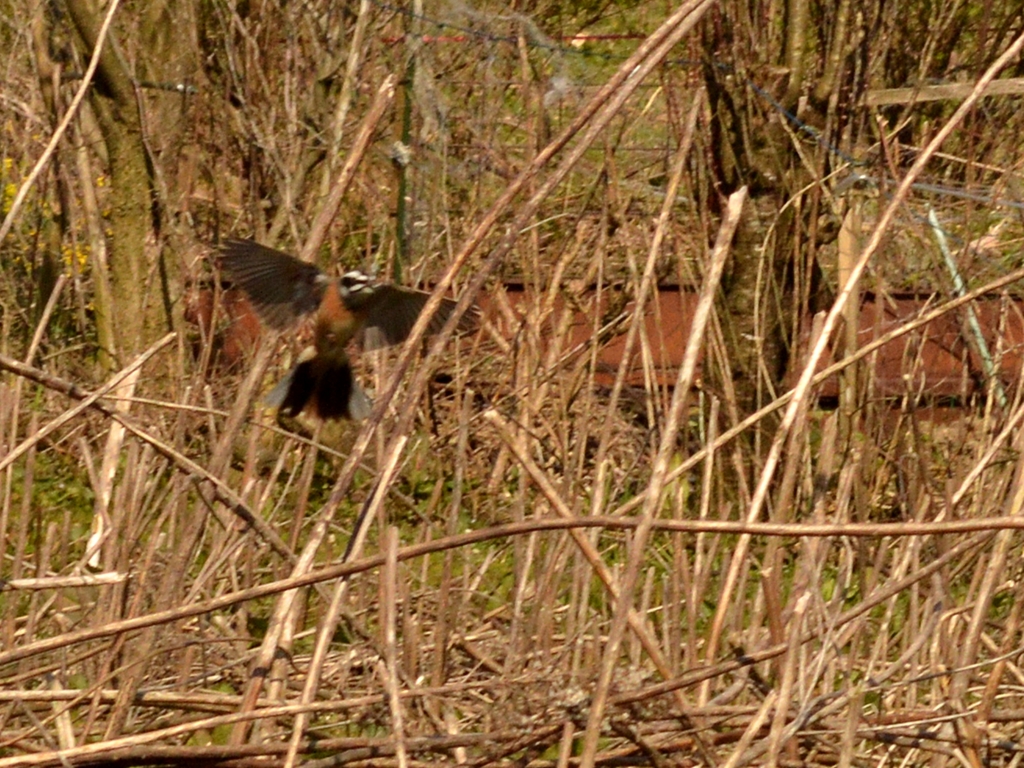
(666, 325)
(940, 359)
(937, 360)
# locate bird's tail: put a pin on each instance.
(327, 387)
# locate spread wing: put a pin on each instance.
(392, 311)
(280, 287)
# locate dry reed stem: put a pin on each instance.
(222, 492)
(743, 425)
(595, 116)
(992, 572)
(44, 319)
(644, 290)
(602, 108)
(112, 383)
(104, 485)
(330, 620)
(318, 230)
(984, 527)
(752, 731)
(283, 614)
(611, 583)
(660, 468)
(108, 749)
(803, 385)
(389, 664)
(69, 114)
(60, 582)
(517, 615)
(787, 681)
(346, 94)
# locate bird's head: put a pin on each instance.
(355, 287)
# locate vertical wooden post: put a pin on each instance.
(402, 148)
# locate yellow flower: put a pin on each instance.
(72, 256)
(9, 193)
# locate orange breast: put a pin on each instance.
(335, 325)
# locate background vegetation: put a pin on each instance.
(568, 560)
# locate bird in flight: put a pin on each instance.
(283, 290)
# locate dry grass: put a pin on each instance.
(522, 558)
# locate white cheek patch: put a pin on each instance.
(355, 283)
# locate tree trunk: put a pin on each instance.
(115, 103)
